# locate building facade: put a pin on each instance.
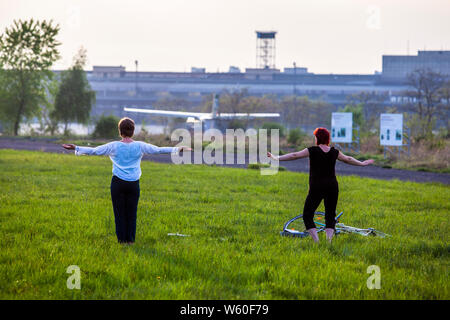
(117, 88)
(396, 67)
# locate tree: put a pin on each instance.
(295, 136)
(301, 112)
(425, 94)
(230, 101)
(239, 101)
(358, 113)
(47, 120)
(319, 113)
(252, 104)
(27, 51)
(294, 111)
(106, 127)
(6, 97)
(357, 116)
(444, 107)
(75, 98)
(276, 126)
(171, 103)
(371, 105)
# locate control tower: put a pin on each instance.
(265, 49)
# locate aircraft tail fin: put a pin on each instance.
(215, 106)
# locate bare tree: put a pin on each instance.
(444, 107)
(371, 103)
(426, 99)
(230, 101)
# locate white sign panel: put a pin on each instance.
(341, 127)
(391, 129)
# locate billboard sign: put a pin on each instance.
(341, 127)
(391, 129)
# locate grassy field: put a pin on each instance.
(55, 211)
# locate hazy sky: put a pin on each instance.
(326, 36)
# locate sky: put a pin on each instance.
(325, 36)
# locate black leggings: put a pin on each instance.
(329, 193)
(125, 198)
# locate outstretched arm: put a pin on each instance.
(290, 156)
(104, 149)
(148, 148)
(352, 161)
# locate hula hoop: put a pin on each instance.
(318, 215)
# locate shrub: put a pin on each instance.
(295, 136)
(106, 127)
(274, 125)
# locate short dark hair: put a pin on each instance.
(322, 135)
(126, 127)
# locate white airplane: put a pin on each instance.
(208, 119)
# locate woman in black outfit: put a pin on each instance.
(322, 180)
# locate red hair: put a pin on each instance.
(322, 135)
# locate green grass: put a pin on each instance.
(55, 211)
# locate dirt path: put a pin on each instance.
(301, 165)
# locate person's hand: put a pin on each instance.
(185, 149)
(69, 146)
(269, 155)
(368, 162)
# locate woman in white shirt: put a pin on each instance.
(126, 157)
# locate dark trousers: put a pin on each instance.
(125, 198)
(328, 192)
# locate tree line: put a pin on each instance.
(427, 101)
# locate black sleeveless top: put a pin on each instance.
(321, 165)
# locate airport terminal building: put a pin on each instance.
(117, 88)
(397, 68)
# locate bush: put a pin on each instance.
(421, 130)
(443, 133)
(295, 136)
(274, 125)
(106, 127)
